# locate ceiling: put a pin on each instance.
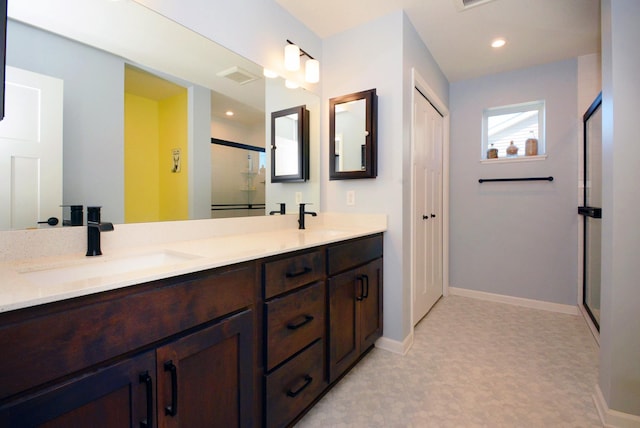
(537, 31)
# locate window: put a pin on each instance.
(517, 123)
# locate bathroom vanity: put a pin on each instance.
(249, 338)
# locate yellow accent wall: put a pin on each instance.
(152, 130)
(141, 158)
(173, 126)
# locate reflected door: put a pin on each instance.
(30, 150)
(591, 210)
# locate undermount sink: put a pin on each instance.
(103, 267)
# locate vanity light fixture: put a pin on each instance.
(291, 57)
(292, 54)
(498, 43)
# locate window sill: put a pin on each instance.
(515, 159)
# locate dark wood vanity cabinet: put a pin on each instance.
(252, 344)
(175, 352)
(322, 311)
(295, 335)
(355, 301)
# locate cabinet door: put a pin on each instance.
(344, 336)
(121, 395)
(206, 378)
(371, 304)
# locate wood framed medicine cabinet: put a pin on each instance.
(290, 145)
(353, 150)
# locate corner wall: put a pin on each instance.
(620, 323)
(380, 54)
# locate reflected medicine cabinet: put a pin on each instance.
(353, 136)
(290, 145)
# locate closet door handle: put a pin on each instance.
(433, 216)
(307, 381)
(148, 381)
(172, 410)
(307, 319)
(360, 279)
(300, 273)
(425, 217)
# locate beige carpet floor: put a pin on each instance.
(473, 364)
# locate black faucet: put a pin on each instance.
(282, 210)
(302, 213)
(94, 227)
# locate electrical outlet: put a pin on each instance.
(351, 197)
(298, 198)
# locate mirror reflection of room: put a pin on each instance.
(181, 180)
(351, 134)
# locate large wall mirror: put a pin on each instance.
(142, 99)
(290, 145)
(353, 136)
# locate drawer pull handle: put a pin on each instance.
(307, 381)
(300, 273)
(172, 410)
(366, 289)
(307, 319)
(146, 379)
(360, 279)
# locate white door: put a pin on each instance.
(30, 150)
(427, 206)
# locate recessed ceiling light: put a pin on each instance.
(229, 113)
(498, 43)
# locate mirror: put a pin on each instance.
(353, 136)
(76, 41)
(290, 145)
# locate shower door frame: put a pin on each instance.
(588, 212)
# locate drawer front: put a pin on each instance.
(64, 340)
(353, 253)
(286, 274)
(293, 322)
(294, 386)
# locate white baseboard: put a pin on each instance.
(613, 418)
(518, 301)
(394, 346)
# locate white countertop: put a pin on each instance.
(37, 280)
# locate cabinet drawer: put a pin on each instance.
(353, 253)
(294, 386)
(292, 272)
(293, 322)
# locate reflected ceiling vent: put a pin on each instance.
(238, 75)
(468, 4)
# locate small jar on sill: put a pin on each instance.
(492, 153)
(512, 150)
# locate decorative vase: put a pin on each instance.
(512, 150)
(492, 153)
(531, 147)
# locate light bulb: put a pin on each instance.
(312, 71)
(292, 57)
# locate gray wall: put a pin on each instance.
(516, 239)
(93, 117)
(620, 322)
(380, 54)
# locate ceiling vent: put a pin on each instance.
(238, 75)
(468, 4)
